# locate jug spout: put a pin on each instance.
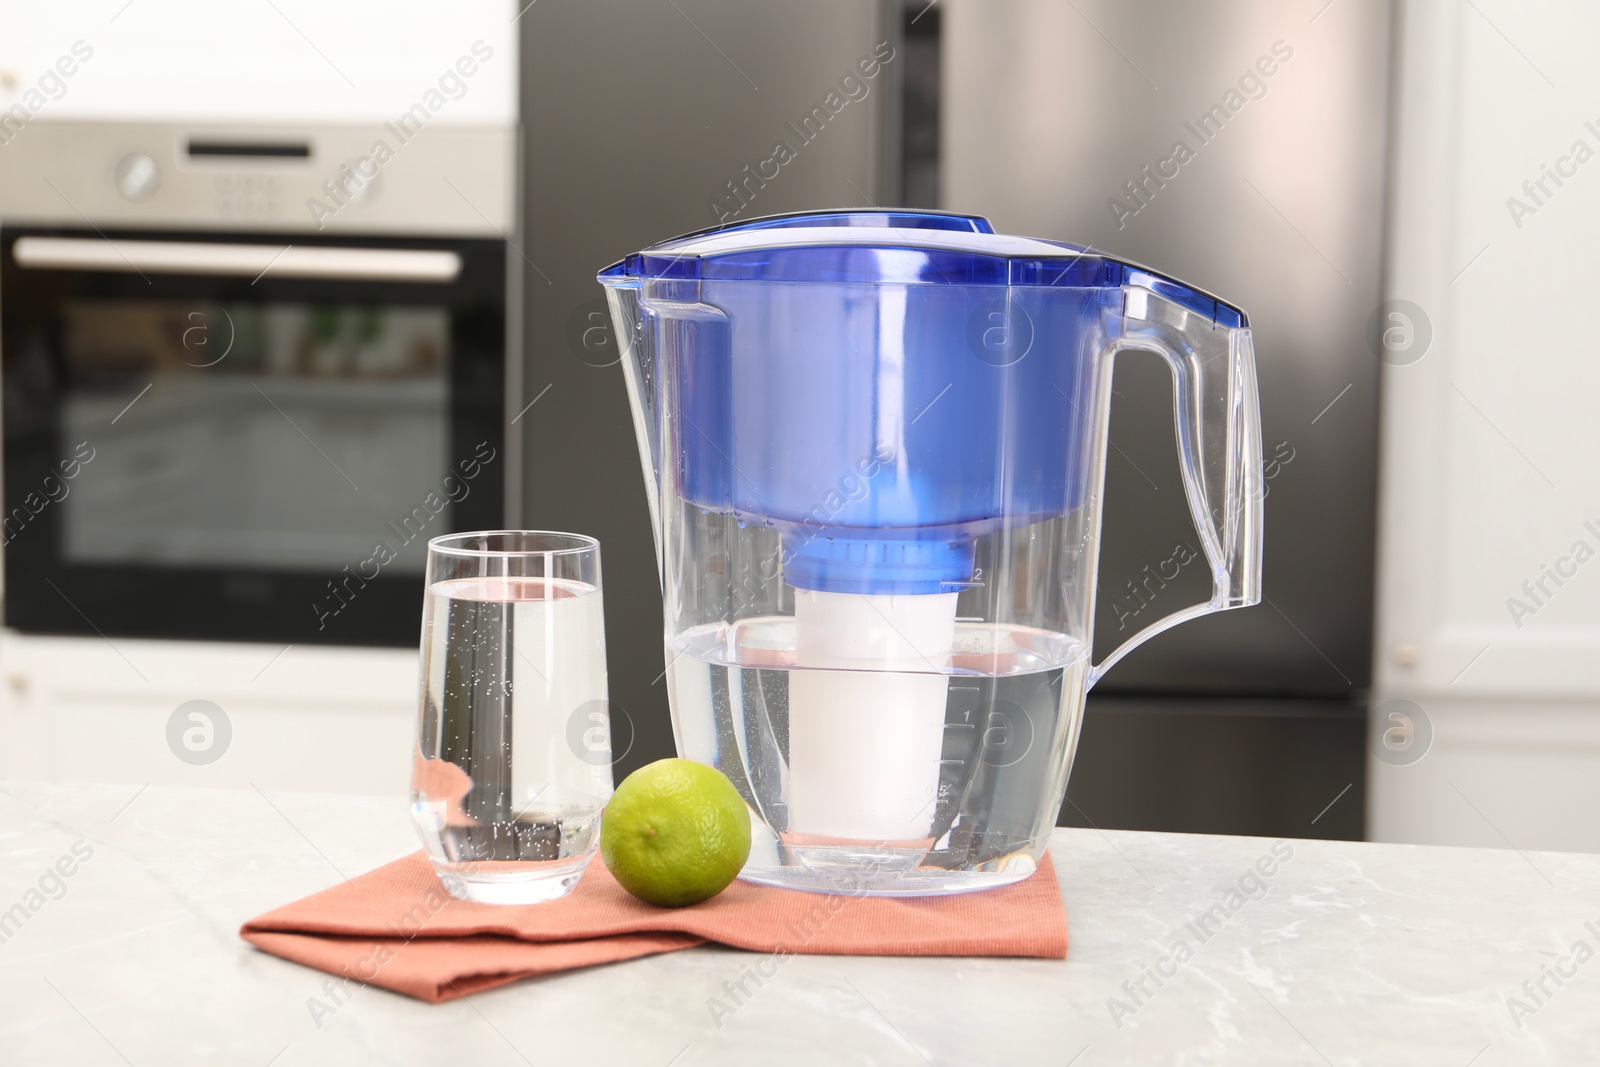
(638, 372)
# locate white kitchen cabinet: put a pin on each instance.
(336, 720)
(1489, 541)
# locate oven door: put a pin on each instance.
(243, 437)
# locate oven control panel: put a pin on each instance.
(379, 179)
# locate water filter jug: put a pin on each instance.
(874, 446)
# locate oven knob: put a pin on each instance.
(138, 177)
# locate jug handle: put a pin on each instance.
(1218, 419)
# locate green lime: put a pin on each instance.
(676, 832)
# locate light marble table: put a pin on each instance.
(1343, 954)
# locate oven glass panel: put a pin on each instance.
(196, 451)
(279, 436)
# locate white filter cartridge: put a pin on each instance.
(866, 713)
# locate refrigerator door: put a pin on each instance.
(1241, 146)
(1207, 765)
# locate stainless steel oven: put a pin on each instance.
(244, 430)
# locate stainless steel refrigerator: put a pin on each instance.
(1055, 120)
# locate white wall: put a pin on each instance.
(288, 61)
(1490, 438)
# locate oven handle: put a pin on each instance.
(245, 260)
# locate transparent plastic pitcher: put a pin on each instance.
(874, 444)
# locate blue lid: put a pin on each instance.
(899, 247)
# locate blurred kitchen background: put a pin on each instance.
(227, 437)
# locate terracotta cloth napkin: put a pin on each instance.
(396, 927)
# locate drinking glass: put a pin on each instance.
(513, 758)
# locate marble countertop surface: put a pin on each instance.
(1185, 950)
